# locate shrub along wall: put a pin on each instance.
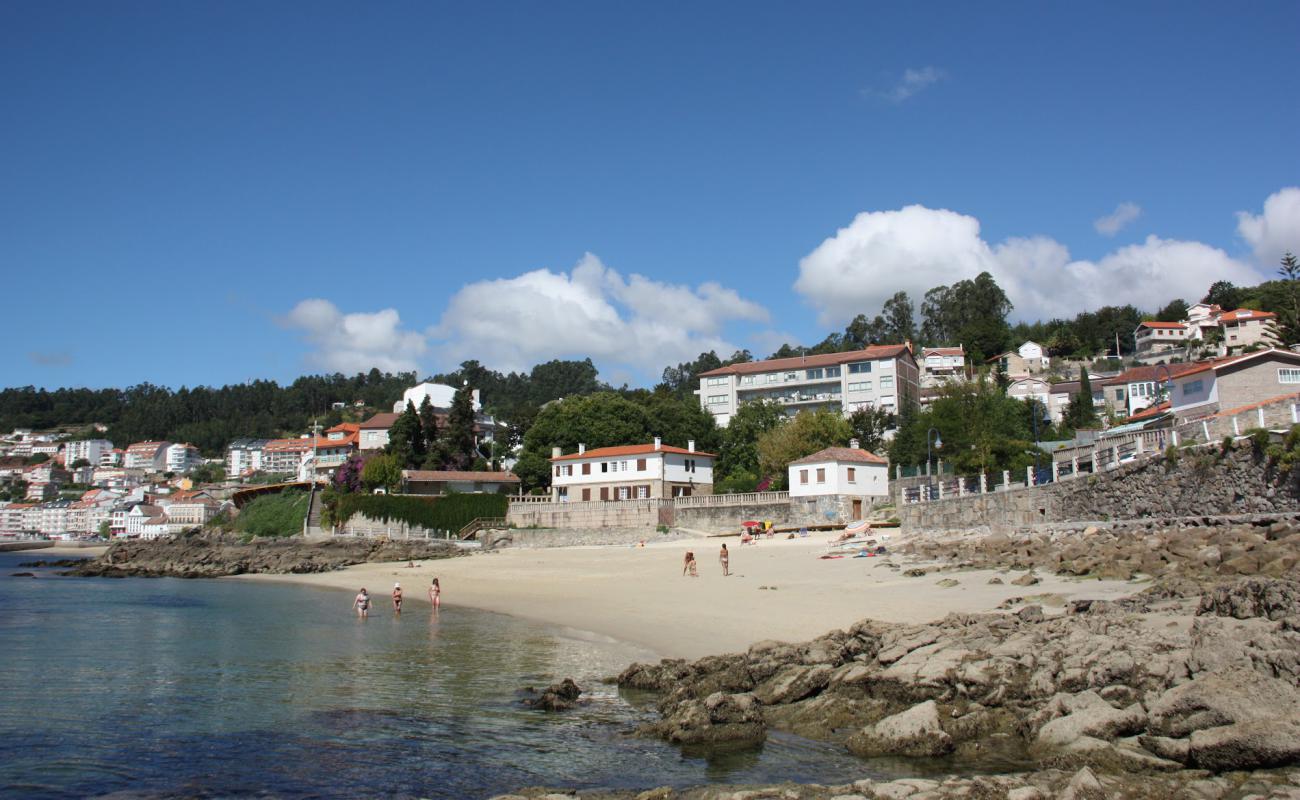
(449, 512)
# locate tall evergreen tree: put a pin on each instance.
(458, 439)
(405, 439)
(1081, 413)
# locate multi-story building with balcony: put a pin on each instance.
(182, 458)
(88, 450)
(148, 456)
(1154, 341)
(1244, 328)
(940, 365)
(881, 376)
(244, 457)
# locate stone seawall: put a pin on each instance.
(574, 537)
(1198, 482)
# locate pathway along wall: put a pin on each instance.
(1198, 482)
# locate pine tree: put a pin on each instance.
(428, 424)
(1081, 413)
(405, 440)
(458, 439)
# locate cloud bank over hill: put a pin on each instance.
(917, 248)
(635, 325)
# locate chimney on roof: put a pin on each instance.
(555, 452)
(658, 443)
(582, 448)
(853, 443)
(691, 445)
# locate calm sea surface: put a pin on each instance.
(166, 687)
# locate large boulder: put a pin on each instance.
(1258, 744)
(1271, 598)
(914, 732)
(1222, 698)
(1087, 714)
(793, 683)
(717, 719)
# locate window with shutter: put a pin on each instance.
(821, 474)
(803, 476)
(853, 475)
(640, 465)
(586, 469)
(586, 494)
(604, 493)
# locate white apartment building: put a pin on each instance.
(12, 518)
(138, 516)
(90, 450)
(881, 376)
(148, 456)
(440, 396)
(285, 455)
(182, 458)
(244, 457)
(632, 472)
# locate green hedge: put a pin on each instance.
(446, 512)
(279, 514)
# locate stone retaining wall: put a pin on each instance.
(573, 537)
(1199, 482)
(648, 515)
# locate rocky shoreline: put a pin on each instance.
(215, 555)
(1187, 689)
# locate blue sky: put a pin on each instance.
(210, 193)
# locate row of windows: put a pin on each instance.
(814, 374)
(611, 493)
(1288, 375)
(717, 400)
(566, 470)
(852, 473)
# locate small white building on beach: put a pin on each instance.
(634, 472)
(844, 471)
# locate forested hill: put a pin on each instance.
(206, 417)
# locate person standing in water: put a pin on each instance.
(397, 598)
(688, 565)
(435, 595)
(362, 603)
(725, 558)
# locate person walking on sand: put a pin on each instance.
(725, 558)
(362, 603)
(688, 565)
(435, 595)
(397, 598)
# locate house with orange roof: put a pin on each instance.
(1208, 387)
(630, 472)
(1244, 327)
(880, 376)
(848, 472)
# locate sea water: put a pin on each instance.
(215, 688)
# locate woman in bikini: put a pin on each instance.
(435, 595)
(725, 558)
(362, 604)
(688, 565)
(397, 598)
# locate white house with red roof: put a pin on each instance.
(843, 471)
(881, 376)
(630, 472)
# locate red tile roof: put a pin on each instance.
(1154, 324)
(1147, 413)
(1244, 315)
(849, 454)
(1220, 363)
(345, 427)
(943, 351)
(459, 475)
(631, 450)
(802, 362)
(382, 421)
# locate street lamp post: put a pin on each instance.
(933, 433)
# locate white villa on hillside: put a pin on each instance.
(440, 396)
(632, 472)
(883, 376)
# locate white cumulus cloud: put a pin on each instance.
(622, 323)
(917, 248)
(358, 341)
(1276, 231)
(1118, 219)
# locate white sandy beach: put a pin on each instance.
(638, 594)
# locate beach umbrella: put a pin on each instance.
(750, 523)
(861, 526)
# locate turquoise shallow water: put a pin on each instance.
(165, 687)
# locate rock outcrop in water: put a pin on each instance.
(216, 555)
(560, 696)
(1186, 689)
